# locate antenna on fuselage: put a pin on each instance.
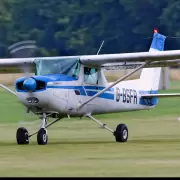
(100, 47)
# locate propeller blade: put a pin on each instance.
(26, 70)
(23, 49)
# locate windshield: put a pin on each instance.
(66, 66)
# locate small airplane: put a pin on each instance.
(75, 86)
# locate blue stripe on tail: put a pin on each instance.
(158, 42)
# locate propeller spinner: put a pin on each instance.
(29, 84)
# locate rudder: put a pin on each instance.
(150, 77)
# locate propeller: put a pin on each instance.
(25, 49)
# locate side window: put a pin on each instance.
(76, 70)
(90, 75)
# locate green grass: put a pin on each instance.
(80, 148)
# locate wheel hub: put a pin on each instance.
(44, 137)
(124, 134)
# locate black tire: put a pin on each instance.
(22, 136)
(42, 137)
(121, 133)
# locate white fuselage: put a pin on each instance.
(67, 83)
(64, 98)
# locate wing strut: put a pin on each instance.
(113, 84)
(6, 88)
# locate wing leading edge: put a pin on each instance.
(106, 61)
(141, 57)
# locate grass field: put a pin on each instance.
(80, 148)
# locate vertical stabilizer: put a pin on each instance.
(150, 77)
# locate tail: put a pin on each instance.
(150, 77)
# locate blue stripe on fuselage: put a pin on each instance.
(103, 95)
(98, 88)
(84, 90)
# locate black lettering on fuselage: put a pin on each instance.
(135, 97)
(128, 95)
(124, 95)
(131, 95)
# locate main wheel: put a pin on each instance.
(22, 136)
(42, 137)
(121, 133)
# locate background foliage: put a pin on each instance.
(68, 27)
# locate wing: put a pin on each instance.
(133, 65)
(146, 96)
(16, 65)
(107, 61)
(155, 57)
(162, 58)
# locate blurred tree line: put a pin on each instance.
(71, 27)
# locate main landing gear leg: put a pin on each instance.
(121, 132)
(42, 135)
(22, 135)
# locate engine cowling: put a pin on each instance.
(30, 84)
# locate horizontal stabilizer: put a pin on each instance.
(160, 95)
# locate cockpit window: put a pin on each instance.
(90, 75)
(66, 66)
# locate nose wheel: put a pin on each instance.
(42, 137)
